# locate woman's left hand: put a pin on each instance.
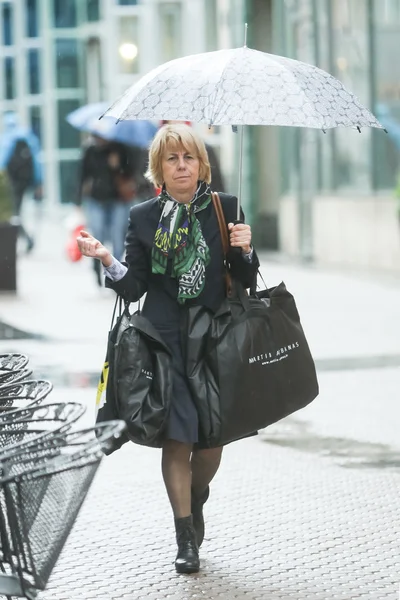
(240, 236)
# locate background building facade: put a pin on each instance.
(60, 54)
(330, 197)
(327, 197)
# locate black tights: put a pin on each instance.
(183, 468)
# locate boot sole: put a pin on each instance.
(186, 570)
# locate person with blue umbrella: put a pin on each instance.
(106, 192)
(111, 174)
(19, 158)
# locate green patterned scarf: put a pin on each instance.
(179, 238)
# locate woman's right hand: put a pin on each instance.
(89, 246)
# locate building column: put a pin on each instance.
(306, 138)
(149, 41)
(49, 107)
(193, 12)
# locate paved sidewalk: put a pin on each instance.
(308, 509)
(346, 316)
(281, 525)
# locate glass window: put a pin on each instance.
(93, 10)
(68, 136)
(64, 13)
(128, 44)
(7, 24)
(31, 16)
(351, 66)
(68, 170)
(128, 2)
(211, 18)
(35, 118)
(387, 11)
(9, 77)
(387, 97)
(67, 63)
(170, 30)
(33, 71)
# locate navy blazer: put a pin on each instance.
(162, 290)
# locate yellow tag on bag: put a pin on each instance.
(102, 387)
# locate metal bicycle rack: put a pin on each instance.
(46, 469)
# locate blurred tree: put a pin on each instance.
(6, 204)
(8, 238)
(397, 195)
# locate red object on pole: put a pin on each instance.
(73, 252)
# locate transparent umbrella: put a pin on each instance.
(243, 87)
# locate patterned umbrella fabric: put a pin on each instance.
(243, 87)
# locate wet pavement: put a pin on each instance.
(308, 509)
(281, 524)
(345, 452)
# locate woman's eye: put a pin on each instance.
(189, 157)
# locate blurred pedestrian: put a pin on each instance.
(19, 158)
(144, 188)
(107, 190)
(174, 255)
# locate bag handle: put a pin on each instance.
(225, 245)
(118, 310)
(224, 238)
(221, 222)
(117, 305)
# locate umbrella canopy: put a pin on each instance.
(133, 133)
(243, 87)
(84, 117)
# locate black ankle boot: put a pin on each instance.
(197, 512)
(187, 559)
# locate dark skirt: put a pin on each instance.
(183, 422)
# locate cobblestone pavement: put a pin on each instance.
(309, 509)
(281, 525)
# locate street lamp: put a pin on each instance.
(128, 51)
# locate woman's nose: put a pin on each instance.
(181, 162)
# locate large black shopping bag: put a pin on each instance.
(249, 364)
(136, 381)
(258, 358)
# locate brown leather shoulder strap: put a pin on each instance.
(224, 237)
(221, 221)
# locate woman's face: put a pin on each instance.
(180, 168)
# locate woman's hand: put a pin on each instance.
(240, 236)
(89, 246)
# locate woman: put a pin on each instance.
(174, 253)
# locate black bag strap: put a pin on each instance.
(120, 306)
(225, 246)
(117, 304)
(262, 279)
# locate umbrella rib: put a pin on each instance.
(218, 85)
(294, 78)
(304, 91)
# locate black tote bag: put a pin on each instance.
(137, 378)
(249, 364)
(106, 402)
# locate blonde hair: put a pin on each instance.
(177, 134)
